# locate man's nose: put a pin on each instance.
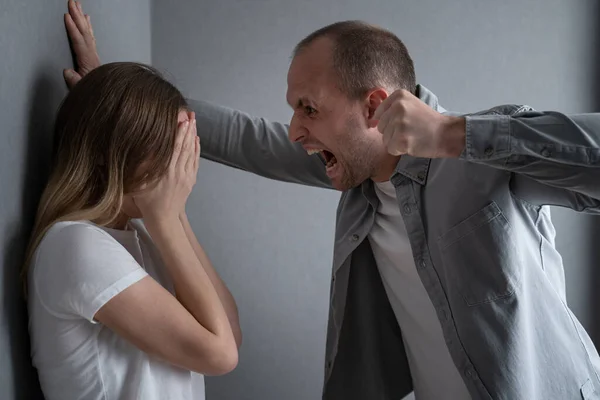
(297, 132)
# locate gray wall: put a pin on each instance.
(33, 51)
(272, 242)
(473, 54)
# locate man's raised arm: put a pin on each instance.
(227, 136)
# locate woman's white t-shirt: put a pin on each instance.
(77, 268)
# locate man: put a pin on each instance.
(445, 278)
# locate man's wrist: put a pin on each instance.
(454, 136)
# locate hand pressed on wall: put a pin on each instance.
(81, 35)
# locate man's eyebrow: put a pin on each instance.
(301, 102)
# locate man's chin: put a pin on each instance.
(342, 180)
(342, 184)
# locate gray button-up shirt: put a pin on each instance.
(482, 240)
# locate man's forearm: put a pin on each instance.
(550, 136)
(224, 294)
(236, 139)
(552, 148)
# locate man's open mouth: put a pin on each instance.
(327, 157)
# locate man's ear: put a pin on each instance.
(374, 99)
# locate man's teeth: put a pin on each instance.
(332, 161)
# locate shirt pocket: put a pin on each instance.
(481, 261)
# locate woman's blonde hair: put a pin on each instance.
(114, 132)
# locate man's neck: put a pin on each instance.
(386, 168)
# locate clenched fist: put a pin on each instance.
(411, 127)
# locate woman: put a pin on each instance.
(121, 309)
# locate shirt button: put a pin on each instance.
(422, 264)
(406, 209)
(421, 176)
(471, 373)
(489, 151)
(354, 237)
(546, 153)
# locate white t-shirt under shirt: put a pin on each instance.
(77, 268)
(434, 374)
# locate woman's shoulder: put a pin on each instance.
(76, 264)
(68, 247)
(74, 241)
(73, 233)
(80, 250)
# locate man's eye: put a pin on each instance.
(309, 110)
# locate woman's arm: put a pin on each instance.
(193, 332)
(83, 272)
(224, 294)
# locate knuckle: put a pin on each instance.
(402, 124)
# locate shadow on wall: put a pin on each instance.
(595, 231)
(42, 109)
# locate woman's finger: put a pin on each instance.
(75, 10)
(185, 150)
(71, 77)
(189, 165)
(179, 139)
(197, 156)
(72, 30)
(89, 21)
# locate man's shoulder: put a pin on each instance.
(503, 109)
(429, 98)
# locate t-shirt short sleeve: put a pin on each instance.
(78, 268)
